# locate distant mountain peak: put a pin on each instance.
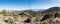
(52, 9)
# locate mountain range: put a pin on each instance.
(52, 9)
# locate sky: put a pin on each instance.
(28, 4)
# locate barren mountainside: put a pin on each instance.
(52, 9)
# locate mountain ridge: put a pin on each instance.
(52, 9)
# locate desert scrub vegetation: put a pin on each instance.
(9, 16)
(57, 14)
(5, 12)
(9, 21)
(31, 16)
(15, 16)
